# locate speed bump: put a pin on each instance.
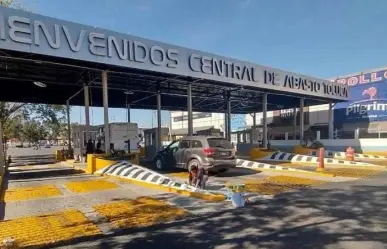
(142, 212)
(140, 175)
(29, 193)
(90, 186)
(46, 230)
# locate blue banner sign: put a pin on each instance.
(237, 122)
(368, 98)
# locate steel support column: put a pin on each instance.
(253, 129)
(225, 125)
(228, 119)
(68, 125)
(302, 121)
(330, 121)
(264, 119)
(87, 113)
(128, 118)
(158, 137)
(189, 107)
(106, 110)
(294, 123)
(128, 112)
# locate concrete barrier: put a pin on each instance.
(264, 166)
(341, 155)
(143, 176)
(307, 159)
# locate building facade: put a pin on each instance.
(366, 111)
(201, 121)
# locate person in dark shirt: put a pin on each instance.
(99, 145)
(89, 147)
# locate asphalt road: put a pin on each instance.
(338, 215)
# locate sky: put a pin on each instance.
(320, 38)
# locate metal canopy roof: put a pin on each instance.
(31, 52)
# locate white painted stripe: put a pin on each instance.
(150, 177)
(118, 169)
(136, 169)
(258, 165)
(139, 177)
(126, 170)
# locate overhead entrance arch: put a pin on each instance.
(66, 58)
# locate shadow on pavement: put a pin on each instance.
(342, 215)
(44, 173)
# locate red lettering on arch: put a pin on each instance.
(353, 81)
(363, 80)
(341, 81)
(374, 77)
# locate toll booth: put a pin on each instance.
(151, 141)
(78, 136)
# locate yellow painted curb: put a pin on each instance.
(293, 172)
(256, 153)
(302, 150)
(309, 173)
(173, 190)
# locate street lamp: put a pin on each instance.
(39, 84)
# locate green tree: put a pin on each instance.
(34, 131)
(11, 4)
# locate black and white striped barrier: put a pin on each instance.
(297, 158)
(257, 165)
(339, 154)
(125, 169)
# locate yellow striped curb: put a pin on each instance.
(207, 197)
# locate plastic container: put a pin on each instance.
(235, 193)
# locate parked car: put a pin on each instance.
(215, 154)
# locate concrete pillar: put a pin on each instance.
(189, 109)
(330, 121)
(301, 121)
(264, 119)
(294, 123)
(68, 125)
(87, 112)
(158, 137)
(106, 110)
(228, 119)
